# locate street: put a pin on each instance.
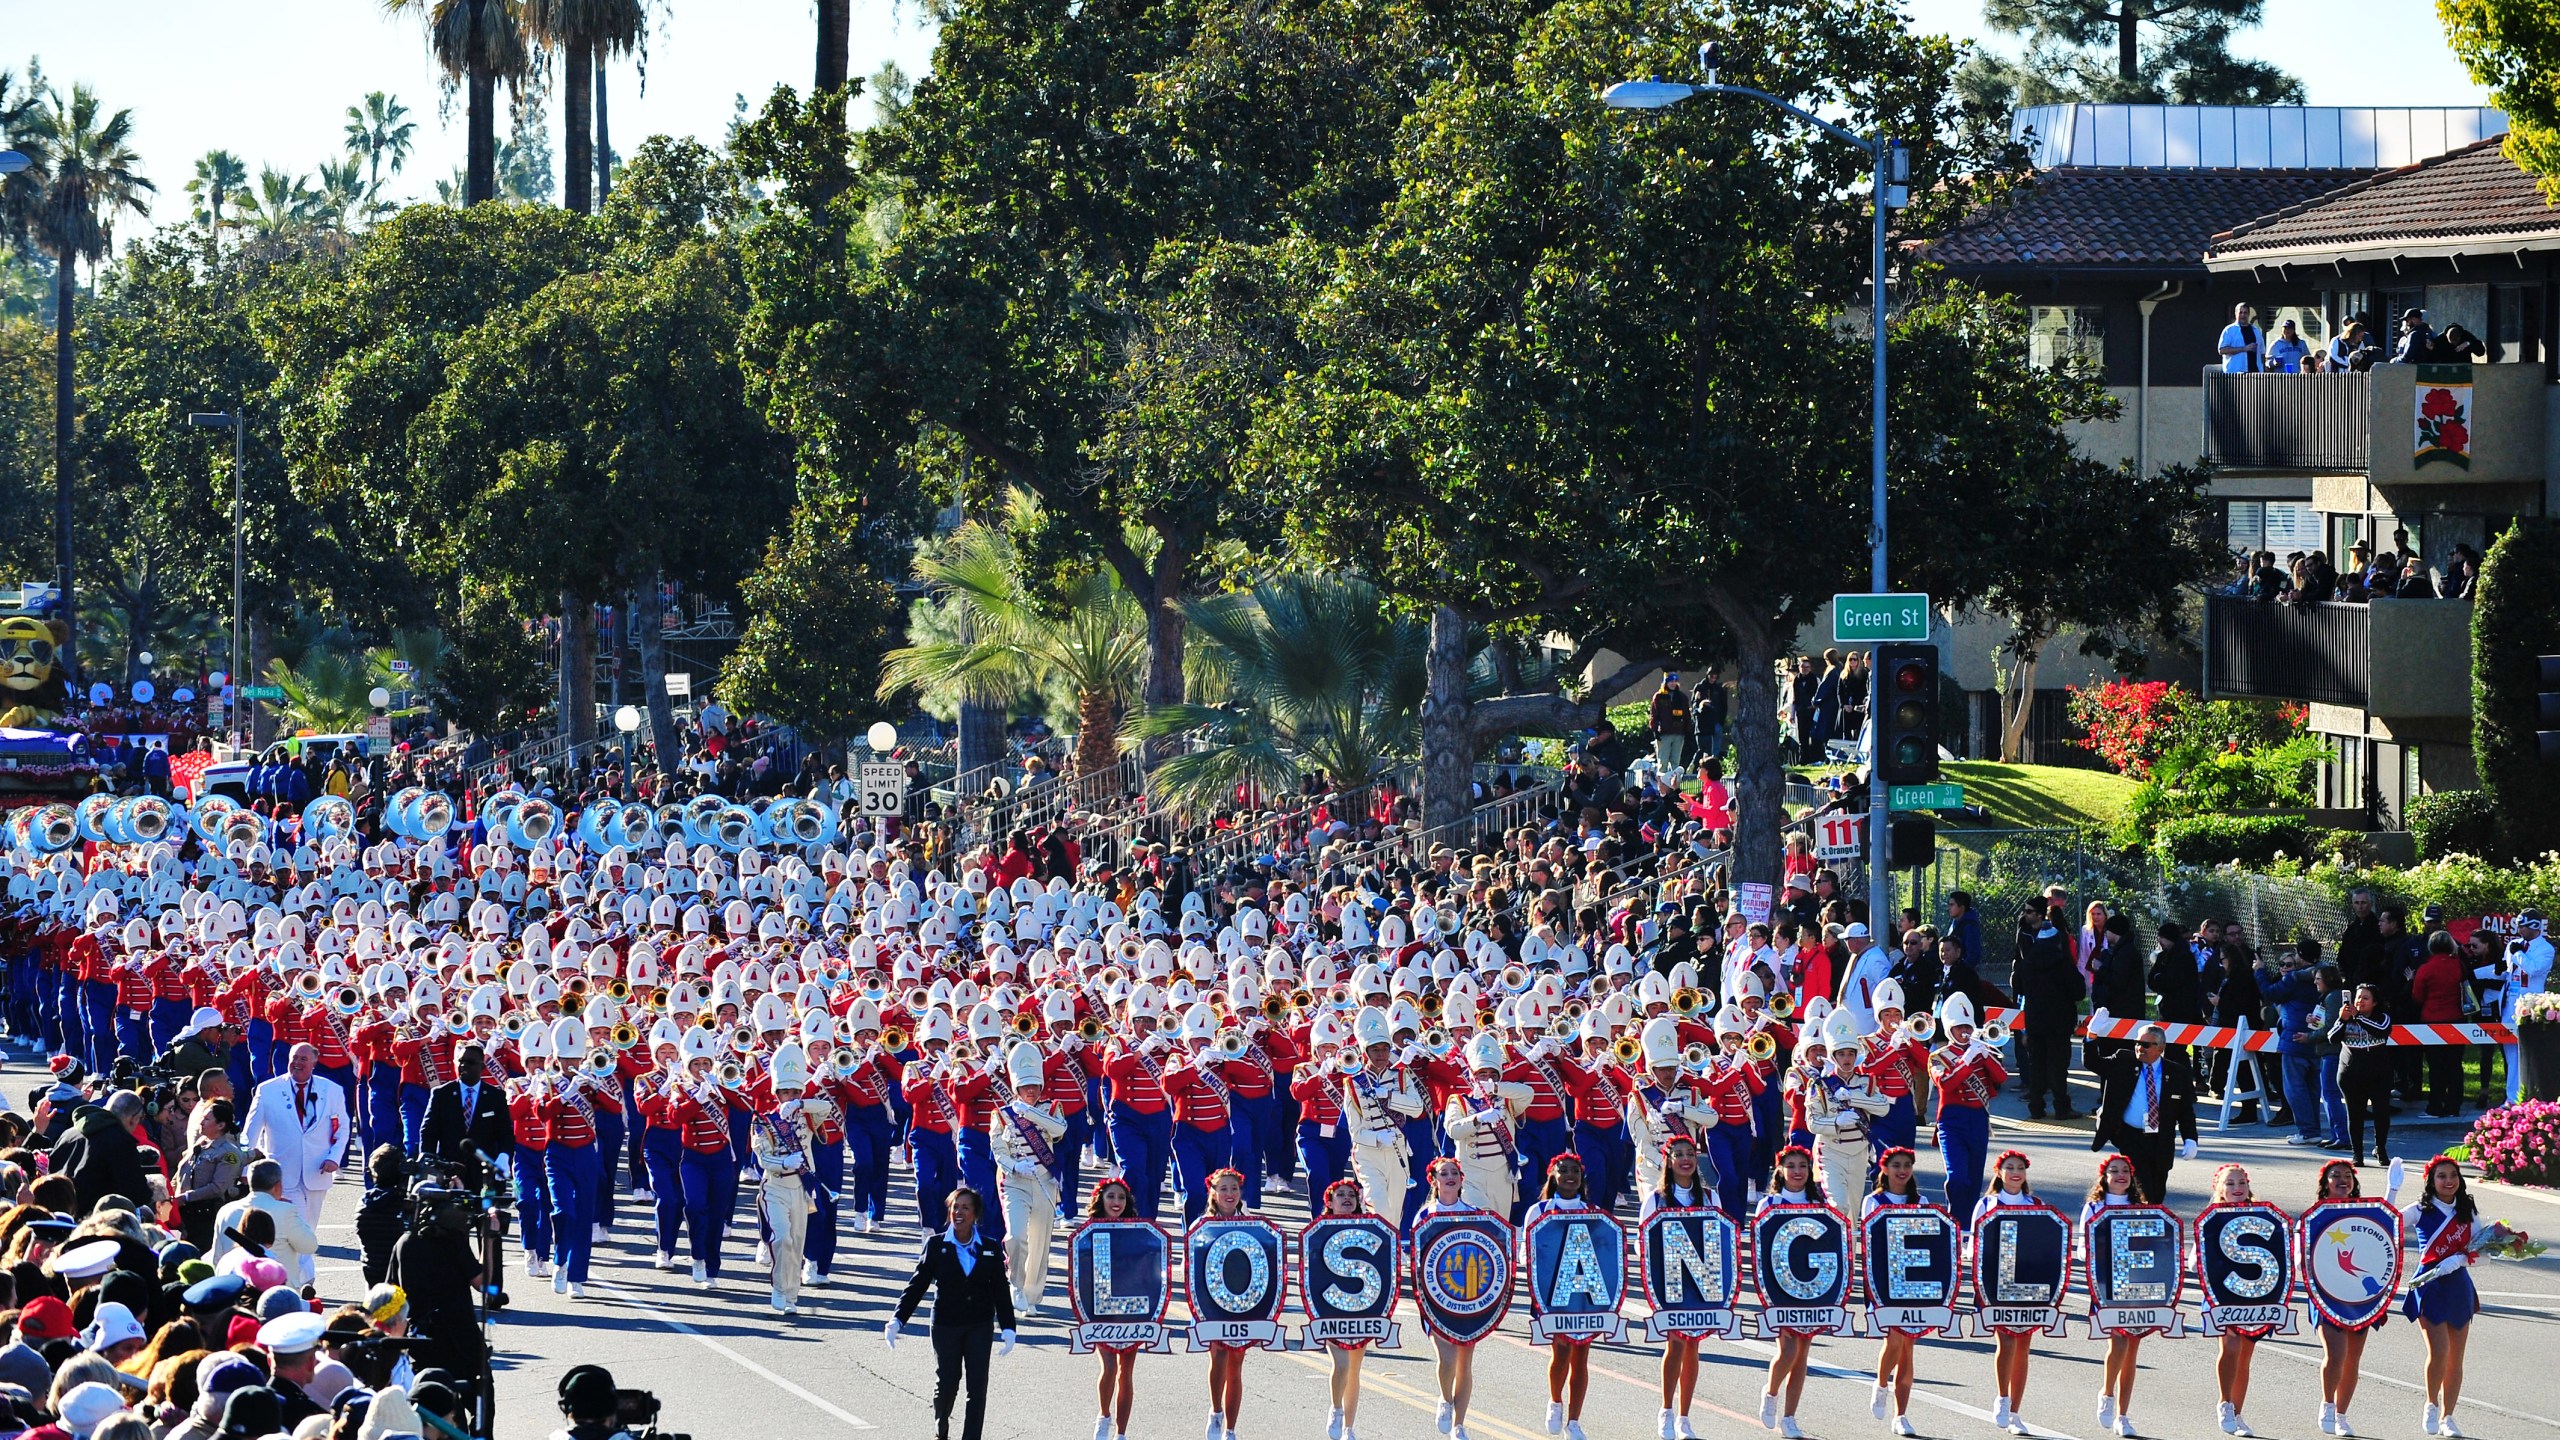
(723, 1365)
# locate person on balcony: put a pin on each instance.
(2417, 342)
(2243, 347)
(2354, 349)
(2287, 354)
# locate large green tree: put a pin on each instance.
(819, 619)
(2126, 52)
(2513, 47)
(2515, 621)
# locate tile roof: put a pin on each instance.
(2153, 220)
(2443, 204)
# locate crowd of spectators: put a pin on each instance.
(2245, 347)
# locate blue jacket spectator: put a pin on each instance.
(2244, 345)
(2287, 352)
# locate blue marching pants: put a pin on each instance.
(1197, 1155)
(576, 1173)
(1729, 1146)
(1897, 1126)
(828, 1163)
(1256, 1117)
(610, 1134)
(98, 1023)
(1144, 1144)
(133, 1036)
(168, 1017)
(236, 1064)
(1607, 1155)
(1541, 1141)
(413, 1115)
(533, 1201)
(664, 1154)
(261, 1046)
(1964, 1147)
(1279, 1153)
(1322, 1159)
(869, 1140)
(382, 1107)
(1070, 1168)
(937, 1163)
(1097, 1125)
(978, 1172)
(1768, 1121)
(710, 1189)
(1422, 1144)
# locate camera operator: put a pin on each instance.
(433, 1265)
(467, 1126)
(594, 1406)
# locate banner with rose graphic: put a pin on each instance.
(2444, 415)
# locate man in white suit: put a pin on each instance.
(299, 1120)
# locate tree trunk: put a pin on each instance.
(480, 160)
(835, 42)
(604, 138)
(577, 669)
(1097, 732)
(66, 271)
(577, 112)
(261, 728)
(648, 635)
(2022, 704)
(981, 737)
(1448, 730)
(1760, 781)
(1166, 632)
(2129, 41)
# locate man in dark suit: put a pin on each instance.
(2146, 1105)
(972, 1308)
(467, 1118)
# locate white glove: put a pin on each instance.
(1007, 1347)
(889, 1332)
(2186, 1149)
(2098, 1017)
(2398, 1173)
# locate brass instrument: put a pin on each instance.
(894, 1038)
(574, 991)
(708, 1019)
(457, 1021)
(1089, 1030)
(1992, 1035)
(1430, 1006)
(730, 1075)
(601, 1063)
(1783, 1005)
(1515, 977)
(1696, 1056)
(1025, 1025)
(742, 1039)
(1560, 1029)
(1761, 1046)
(1436, 1041)
(1230, 1045)
(347, 1000)
(1275, 1008)
(1574, 1010)
(1301, 998)
(513, 1025)
(1919, 1029)
(963, 1053)
(1627, 1051)
(1687, 1001)
(307, 984)
(843, 1063)
(656, 1002)
(625, 1036)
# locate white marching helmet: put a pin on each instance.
(568, 1038)
(1059, 1008)
(1888, 996)
(1955, 1010)
(790, 1066)
(1370, 1027)
(1484, 1052)
(1840, 1031)
(1661, 1041)
(1023, 1065)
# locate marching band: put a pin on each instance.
(794, 1016)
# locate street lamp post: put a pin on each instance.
(1892, 170)
(627, 720)
(232, 421)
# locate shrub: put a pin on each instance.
(2519, 1144)
(2221, 839)
(2515, 613)
(2454, 822)
(2137, 725)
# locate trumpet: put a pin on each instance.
(457, 1021)
(894, 1038)
(1430, 1006)
(346, 1000)
(574, 991)
(1696, 1056)
(1782, 1005)
(513, 1026)
(1025, 1025)
(617, 991)
(657, 1001)
(1301, 998)
(1919, 1029)
(1230, 1045)
(307, 984)
(1627, 1050)
(1761, 1046)
(601, 1063)
(1436, 1041)
(1089, 1030)
(1561, 1029)
(625, 1036)
(730, 1075)
(1275, 1008)
(1992, 1035)
(742, 1038)
(1515, 977)
(1574, 1010)
(962, 1054)
(1687, 1001)
(843, 1063)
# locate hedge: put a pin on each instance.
(2454, 822)
(2221, 839)
(2515, 617)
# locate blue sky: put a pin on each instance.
(270, 80)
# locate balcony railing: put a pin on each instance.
(2270, 651)
(2288, 422)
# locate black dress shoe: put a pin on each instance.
(2066, 1113)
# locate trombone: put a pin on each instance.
(1761, 1046)
(1687, 1001)
(1627, 1050)
(1782, 1005)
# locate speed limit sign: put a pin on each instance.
(884, 790)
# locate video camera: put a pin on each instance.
(636, 1411)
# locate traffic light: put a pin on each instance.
(2546, 714)
(1911, 842)
(1907, 731)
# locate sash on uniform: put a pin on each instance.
(1031, 1138)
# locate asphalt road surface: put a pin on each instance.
(725, 1366)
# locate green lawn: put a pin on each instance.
(2030, 796)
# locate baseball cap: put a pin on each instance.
(46, 1318)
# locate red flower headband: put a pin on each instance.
(2005, 1156)
(1782, 1155)
(1906, 1152)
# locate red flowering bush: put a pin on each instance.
(2130, 723)
(2519, 1144)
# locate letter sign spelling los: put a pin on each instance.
(1235, 1281)
(2244, 1262)
(1577, 1263)
(2021, 1267)
(1800, 1259)
(1909, 1268)
(1689, 1275)
(1116, 1282)
(1347, 1282)
(2136, 1270)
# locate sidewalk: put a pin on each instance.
(2010, 1108)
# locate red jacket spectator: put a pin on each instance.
(2436, 990)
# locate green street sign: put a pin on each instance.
(261, 692)
(1879, 619)
(1925, 797)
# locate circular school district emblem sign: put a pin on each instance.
(1464, 1272)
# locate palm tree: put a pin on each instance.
(20, 104)
(479, 43)
(339, 203)
(88, 174)
(992, 639)
(1303, 673)
(835, 43)
(582, 30)
(380, 129)
(330, 691)
(280, 204)
(220, 175)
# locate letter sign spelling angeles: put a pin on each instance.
(1690, 1278)
(1347, 1283)
(1800, 1260)
(2244, 1262)
(1577, 1264)
(2136, 1270)
(2350, 1257)
(2021, 1268)
(1234, 1278)
(1116, 1280)
(1462, 1274)
(1909, 1267)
